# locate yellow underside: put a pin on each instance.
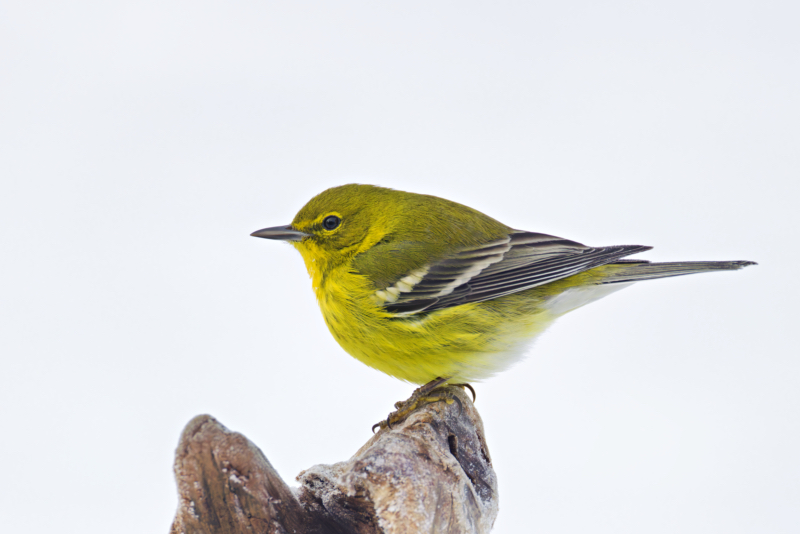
(467, 343)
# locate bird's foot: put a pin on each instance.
(421, 397)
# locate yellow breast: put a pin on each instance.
(467, 343)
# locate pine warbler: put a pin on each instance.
(423, 288)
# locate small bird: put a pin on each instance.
(431, 291)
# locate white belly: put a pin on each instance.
(575, 297)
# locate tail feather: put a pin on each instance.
(634, 271)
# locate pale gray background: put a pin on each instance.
(142, 142)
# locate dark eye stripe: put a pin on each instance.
(331, 222)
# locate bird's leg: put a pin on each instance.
(423, 390)
(420, 397)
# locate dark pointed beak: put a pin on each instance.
(281, 233)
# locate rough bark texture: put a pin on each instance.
(430, 473)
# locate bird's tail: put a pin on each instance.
(635, 270)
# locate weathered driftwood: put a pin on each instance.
(430, 473)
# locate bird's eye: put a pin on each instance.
(331, 221)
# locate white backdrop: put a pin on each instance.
(140, 144)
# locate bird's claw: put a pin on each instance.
(470, 388)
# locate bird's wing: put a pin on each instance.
(518, 262)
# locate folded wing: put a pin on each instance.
(521, 261)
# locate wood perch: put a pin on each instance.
(430, 473)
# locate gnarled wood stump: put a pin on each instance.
(430, 473)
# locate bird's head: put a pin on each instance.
(338, 224)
